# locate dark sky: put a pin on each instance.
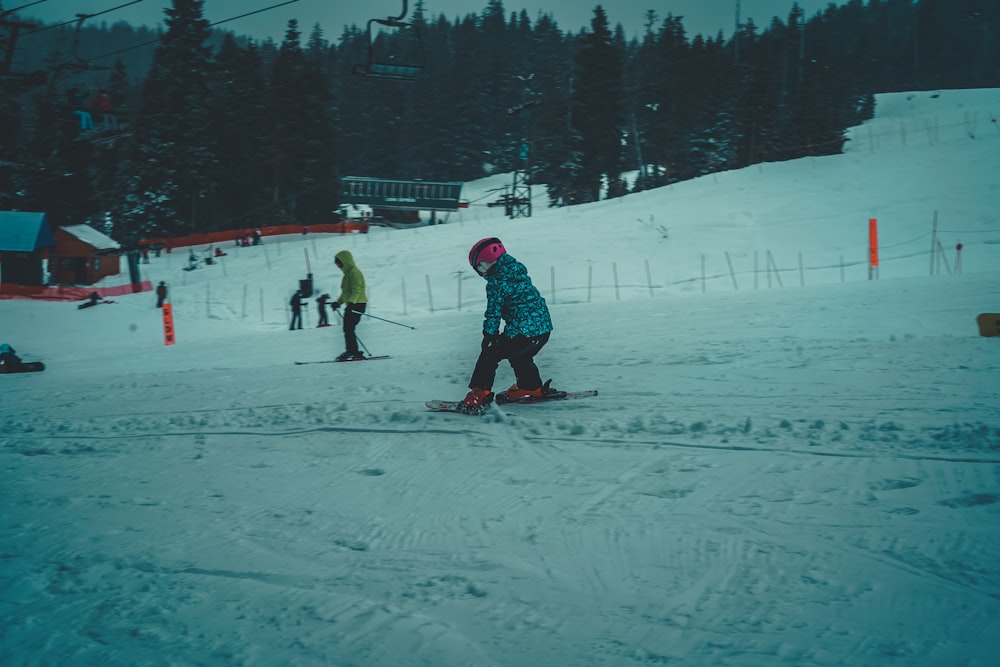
(700, 16)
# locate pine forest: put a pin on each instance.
(214, 131)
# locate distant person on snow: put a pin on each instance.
(321, 303)
(296, 304)
(92, 300)
(511, 297)
(354, 298)
(8, 357)
(161, 294)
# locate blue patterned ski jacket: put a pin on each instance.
(510, 296)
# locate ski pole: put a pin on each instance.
(363, 346)
(360, 342)
(389, 321)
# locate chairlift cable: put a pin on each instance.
(17, 9)
(256, 11)
(210, 25)
(81, 17)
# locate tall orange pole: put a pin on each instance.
(168, 324)
(872, 248)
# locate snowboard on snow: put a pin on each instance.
(501, 398)
(342, 361)
(989, 324)
(23, 367)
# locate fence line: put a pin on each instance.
(718, 271)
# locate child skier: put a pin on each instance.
(511, 297)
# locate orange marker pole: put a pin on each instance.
(872, 248)
(168, 324)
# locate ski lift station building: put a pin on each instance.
(383, 193)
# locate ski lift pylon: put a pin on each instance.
(403, 66)
(17, 82)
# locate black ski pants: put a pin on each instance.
(352, 315)
(520, 351)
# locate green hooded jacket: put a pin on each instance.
(352, 286)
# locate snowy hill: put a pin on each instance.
(788, 463)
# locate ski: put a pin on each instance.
(501, 399)
(452, 406)
(342, 361)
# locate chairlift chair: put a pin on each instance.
(386, 60)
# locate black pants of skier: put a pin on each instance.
(296, 319)
(351, 318)
(520, 351)
(322, 315)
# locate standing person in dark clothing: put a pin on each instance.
(296, 304)
(354, 298)
(321, 302)
(161, 294)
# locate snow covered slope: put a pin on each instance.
(788, 464)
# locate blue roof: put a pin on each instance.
(21, 231)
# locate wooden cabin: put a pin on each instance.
(83, 256)
(24, 239)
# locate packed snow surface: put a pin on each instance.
(788, 463)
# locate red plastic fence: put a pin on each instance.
(8, 291)
(230, 235)
(11, 291)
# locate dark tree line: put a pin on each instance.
(224, 132)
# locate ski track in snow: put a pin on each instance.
(805, 475)
(276, 513)
(569, 517)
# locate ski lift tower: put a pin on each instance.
(19, 81)
(520, 196)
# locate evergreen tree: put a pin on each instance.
(112, 149)
(10, 147)
(236, 119)
(318, 192)
(287, 130)
(597, 109)
(712, 143)
(642, 69)
(670, 107)
(553, 75)
(174, 161)
(59, 180)
(262, 130)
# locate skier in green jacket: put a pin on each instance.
(355, 301)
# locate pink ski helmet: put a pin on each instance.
(485, 253)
